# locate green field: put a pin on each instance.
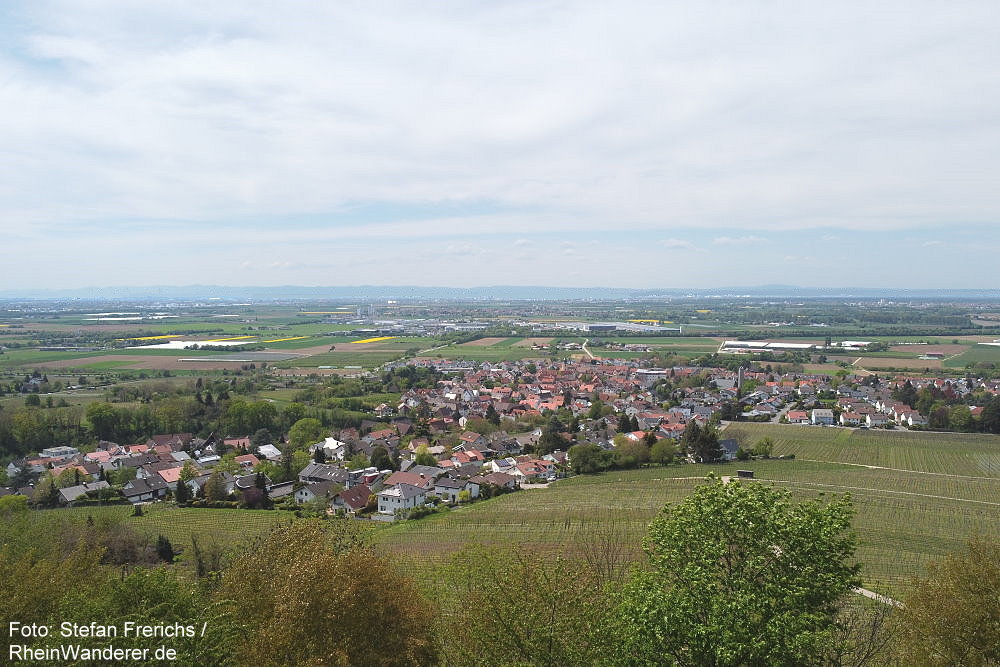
(178, 524)
(490, 353)
(338, 359)
(903, 518)
(970, 454)
(664, 341)
(975, 354)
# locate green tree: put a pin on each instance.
(763, 447)
(952, 617)
(358, 461)
(305, 432)
(164, 549)
(624, 423)
(261, 437)
(292, 413)
(740, 575)
(182, 495)
(103, 419)
(702, 444)
(632, 453)
(492, 415)
(215, 487)
(424, 458)
(960, 418)
(381, 459)
(586, 458)
(663, 452)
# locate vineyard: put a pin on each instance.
(970, 454)
(178, 524)
(903, 519)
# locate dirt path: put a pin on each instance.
(884, 599)
(916, 472)
(898, 493)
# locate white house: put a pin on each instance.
(822, 416)
(400, 497)
(449, 488)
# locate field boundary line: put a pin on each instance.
(864, 488)
(917, 472)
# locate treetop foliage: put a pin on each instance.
(739, 574)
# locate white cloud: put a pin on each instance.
(141, 121)
(742, 240)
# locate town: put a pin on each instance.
(493, 429)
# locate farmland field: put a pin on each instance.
(903, 519)
(976, 354)
(970, 454)
(493, 353)
(178, 524)
(485, 342)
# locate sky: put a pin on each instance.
(624, 144)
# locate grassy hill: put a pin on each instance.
(904, 517)
(917, 497)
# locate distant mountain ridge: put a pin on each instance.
(497, 292)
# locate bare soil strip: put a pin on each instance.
(528, 342)
(484, 342)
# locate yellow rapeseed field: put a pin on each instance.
(373, 340)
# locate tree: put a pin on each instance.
(164, 549)
(103, 420)
(492, 416)
(740, 575)
(182, 495)
(632, 453)
(261, 437)
(359, 461)
(380, 458)
(763, 447)
(952, 617)
(624, 423)
(662, 452)
(990, 418)
(584, 459)
(305, 432)
(215, 487)
(960, 418)
(320, 598)
(424, 458)
(527, 611)
(702, 444)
